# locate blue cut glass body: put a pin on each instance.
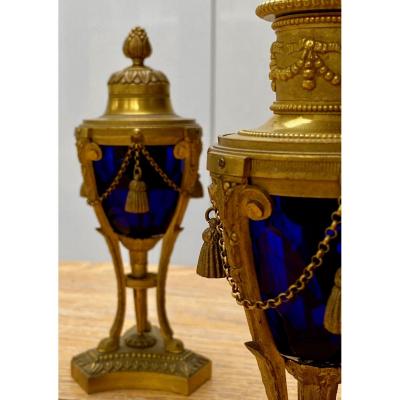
(282, 246)
(162, 199)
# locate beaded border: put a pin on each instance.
(306, 20)
(276, 107)
(329, 136)
(281, 6)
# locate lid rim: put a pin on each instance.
(272, 9)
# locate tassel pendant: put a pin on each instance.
(333, 312)
(210, 263)
(137, 201)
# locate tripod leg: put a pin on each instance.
(173, 345)
(112, 342)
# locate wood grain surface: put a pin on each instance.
(202, 314)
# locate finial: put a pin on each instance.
(137, 46)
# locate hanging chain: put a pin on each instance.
(160, 172)
(137, 171)
(300, 283)
(118, 177)
(135, 148)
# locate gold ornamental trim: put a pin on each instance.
(183, 364)
(291, 135)
(135, 76)
(273, 165)
(283, 22)
(141, 368)
(314, 108)
(107, 132)
(277, 7)
(297, 169)
(310, 62)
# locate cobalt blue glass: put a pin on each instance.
(162, 199)
(283, 245)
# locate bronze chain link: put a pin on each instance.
(135, 148)
(160, 172)
(299, 285)
(118, 177)
(137, 171)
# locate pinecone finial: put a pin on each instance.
(137, 46)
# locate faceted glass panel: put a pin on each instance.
(162, 199)
(283, 245)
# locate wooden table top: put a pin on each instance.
(202, 314)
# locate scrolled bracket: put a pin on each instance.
(88, 152)
(236, 199)
(182, 150)
(255, 204)
(92, 152)
(189, 150)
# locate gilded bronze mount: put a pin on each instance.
(296, 153)
(139, 112)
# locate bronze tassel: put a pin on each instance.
(333, 312)
(137, 201)
(210, 263)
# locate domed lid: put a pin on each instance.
(138, 100)
(138, 89)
